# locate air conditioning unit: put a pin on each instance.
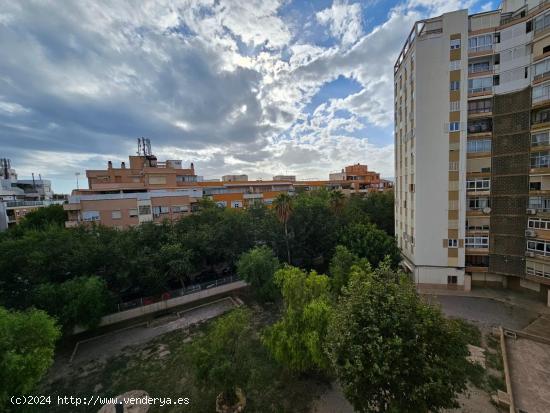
(529, 254)
(531, 211)
(530, 233)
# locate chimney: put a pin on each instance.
(123, 165)
(192, 166)
(110, 165)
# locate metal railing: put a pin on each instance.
(143, 301)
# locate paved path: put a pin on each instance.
(485, 312)
(105, 346)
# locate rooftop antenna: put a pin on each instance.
(139, 147)
(33, 183)
(77, 174)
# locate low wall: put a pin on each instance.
(165, 305)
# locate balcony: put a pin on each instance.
(541, 95)
(540, 118)
(484, 126)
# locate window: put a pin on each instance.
(542, 116)
(542, 22)
(90, 216)
(482, 184)
(452, 243)
(477, 242)
(455, 44)
(538, 269)
(454, 126)
(480, 106)
(180, 208)
(478, 227)
(535, 186)
(539, 247)
(540, 159)
(480, 84)
(452, 279)
(454, 106)
(475, 203)
(479, 67)
(540, 138)
(479, 145)
(455, 85)
(133, 212)
(477, 261)
(236, 204)
(480, 126)
(480, 43)
(541, 93)
(454, 65)
(453, 166)
(537, 223)
(539, 203)
(144, 209)
(116, 214)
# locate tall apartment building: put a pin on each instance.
(472, 148)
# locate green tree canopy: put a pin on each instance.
(220, 357)
(257, 267)
(391, 351)
(27, 341)
(368, 241)
(340, 267)
(79, 301)
(42, 217)
(297, 339)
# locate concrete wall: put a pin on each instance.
(135, 313)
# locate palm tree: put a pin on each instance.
(283, 209)
(336, 200)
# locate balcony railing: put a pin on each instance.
(480, 69)
(480, 48)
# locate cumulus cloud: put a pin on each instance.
(223, 83)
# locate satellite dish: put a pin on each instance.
(486, 210)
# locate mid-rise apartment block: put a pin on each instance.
(472, 148)
(147, 190)
(18, 197)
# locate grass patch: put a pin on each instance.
(471, 332)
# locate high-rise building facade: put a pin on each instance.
(472, 148)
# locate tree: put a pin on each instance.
(257, 267)
(340, 267)
(283, 209)
(337, 201)
(391, 351)
(42, 217)
(220, 357)
(297, 339)
(179, 262)
(380, 208)
(80, 301)
(27, 341)
(368, 241)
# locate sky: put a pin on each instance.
(260, 87)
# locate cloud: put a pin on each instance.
(344, 20)
(223, 83)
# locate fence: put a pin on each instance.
(140, 302)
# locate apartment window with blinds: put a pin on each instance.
(541, 69)
(133, 212)
(452, 243)
(477, 242)
(539, 247)
(116, 214)
(480, 43)
(455, 106)
(480, 106)
(540, 139)
(144, 210)
(541, 93)
(480, 84)
(454, 126)
(454, 85)
(454, 65)
(540, 159)
(479, 145)
(477, 203)
(479, 67)
(453, 166)
(542, 22)
(483, 184)
(455, 44)
(539, 223)
(539, 203)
